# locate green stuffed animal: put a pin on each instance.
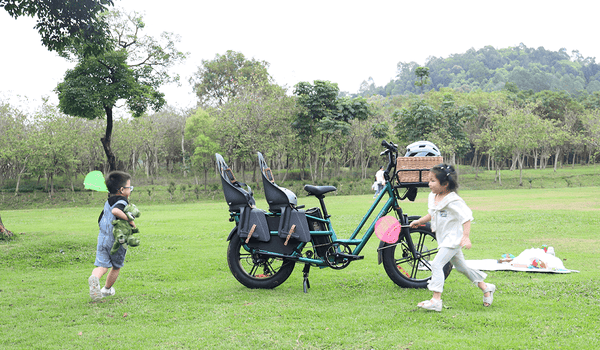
(123, 232)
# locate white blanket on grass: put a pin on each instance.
(523, 263)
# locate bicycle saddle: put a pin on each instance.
(318, 191)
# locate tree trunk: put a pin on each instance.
(106, 140)
(183, 152)
(556, 158)
(19, 176)
(3, 230)
(520, 160)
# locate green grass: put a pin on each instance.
(176, 292)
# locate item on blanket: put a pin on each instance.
(545, 248)
(506, 258)
(538, 264)
(538, 259)
(524, 263)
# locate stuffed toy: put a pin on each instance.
(123, 232)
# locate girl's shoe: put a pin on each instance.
(488, 300)
(433, 305)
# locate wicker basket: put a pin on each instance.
(419, 168)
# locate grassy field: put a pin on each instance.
(176, 291)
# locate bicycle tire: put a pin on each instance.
(254, 271)
(406, 270)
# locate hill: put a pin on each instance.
(489, 69)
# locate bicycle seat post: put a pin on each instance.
(325, 214)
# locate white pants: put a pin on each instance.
(456, 257)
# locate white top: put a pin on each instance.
(447, 219)
(379, 177)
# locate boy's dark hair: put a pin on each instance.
(115, 180)
(446, 174)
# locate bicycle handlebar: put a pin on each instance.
(390, 146)
(391, 151)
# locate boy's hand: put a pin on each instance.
(132, 223)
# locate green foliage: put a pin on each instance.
(321, 115)
(171, 189)
(65, 24)
(219, 80)
(422, 74)
(489, 69)
(133, 71)
(416, 121)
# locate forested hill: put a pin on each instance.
(489, 69)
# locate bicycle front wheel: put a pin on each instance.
(410, 270)
(256, 270)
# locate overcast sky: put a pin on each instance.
(345, 42)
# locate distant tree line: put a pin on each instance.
(310, 132)
(489, 69)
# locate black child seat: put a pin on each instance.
(293, 223)
(240, 199)
(277, 197)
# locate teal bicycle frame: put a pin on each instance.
(359, 243)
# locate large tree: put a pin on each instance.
(219, 80)
(62, 24)
(322, 116)
(131, 72)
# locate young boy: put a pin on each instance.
(119, 188)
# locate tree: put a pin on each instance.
(422, 74)
(413, 123)
(221, 79)
(62, 24)
(4, 232)
(200, 129)
(133, 72)
(321, 116)
(16, 143)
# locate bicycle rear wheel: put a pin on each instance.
(407, 270)
(256, 270)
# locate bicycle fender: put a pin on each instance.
(233, 231)
(379, 256)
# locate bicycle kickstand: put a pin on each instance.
(306, 284)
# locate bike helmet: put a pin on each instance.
(422, 149)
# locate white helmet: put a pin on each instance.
(422, 149)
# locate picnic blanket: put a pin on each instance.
(530, 260)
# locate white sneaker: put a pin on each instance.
(433, 305)
(94, 284)
(107, 292)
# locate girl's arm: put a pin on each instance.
(421, 221)
(465, 241)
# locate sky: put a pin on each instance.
(345, 42)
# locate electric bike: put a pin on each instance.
(265, 245)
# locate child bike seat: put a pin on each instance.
(277, 197)
(237, 194)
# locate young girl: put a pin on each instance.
(451, 221)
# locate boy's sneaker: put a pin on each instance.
(94, 283)
(107, 292)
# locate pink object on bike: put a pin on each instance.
(387, 229)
